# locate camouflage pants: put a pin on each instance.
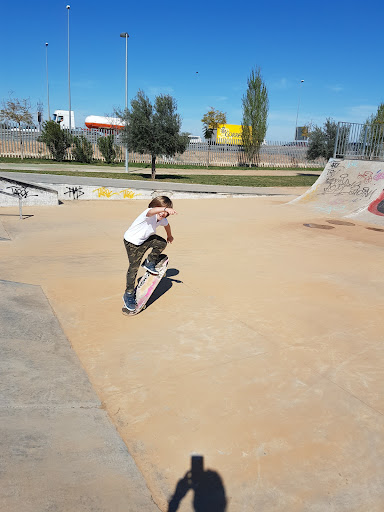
(135, 254)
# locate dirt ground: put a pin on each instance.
(262, 350)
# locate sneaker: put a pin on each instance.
(150, 266)
(129, 301)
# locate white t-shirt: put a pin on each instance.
(143, 227)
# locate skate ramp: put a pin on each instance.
(348, 188)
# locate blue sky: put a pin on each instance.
(201, 54)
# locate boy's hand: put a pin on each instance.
(170, 239)
(171, 211)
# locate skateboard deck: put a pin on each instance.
(147, 286)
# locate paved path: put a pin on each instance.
(138, 170)
(52, 179)
(58, 447)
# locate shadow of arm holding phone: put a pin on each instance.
(208, 488)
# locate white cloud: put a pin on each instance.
(154, 90)
(359, 113)
(280, 84)
(335, 88)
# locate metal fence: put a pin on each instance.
(26, 143)
(360, 141)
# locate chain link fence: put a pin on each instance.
(25, 143)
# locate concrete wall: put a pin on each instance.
(68, 192)
(31, 194)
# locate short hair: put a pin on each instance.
(163, 201)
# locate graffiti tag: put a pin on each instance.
(379, 175)
(126, 193)
(366, 176)
(342, 185)
(105, 192)
(20, 191)
(74, 192)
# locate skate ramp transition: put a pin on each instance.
(348, 188)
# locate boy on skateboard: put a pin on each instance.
(140, 237)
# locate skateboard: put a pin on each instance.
(146, 286)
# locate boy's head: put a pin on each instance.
(161, 201)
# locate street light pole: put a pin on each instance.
(69, 77)
(46, 65)
(126, 35)
(298, 105)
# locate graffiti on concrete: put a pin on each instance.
(105, 192)
(331, 208)
(74, 192)
(379, 175)
(377, 206)
(366, 176)
(342, 185)
(128, 194)
(21, 192)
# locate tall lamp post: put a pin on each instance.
(298, 105)
(69, 77)
(126, 35)
(46, 65)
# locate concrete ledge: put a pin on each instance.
(84, 188)
(59, 450)
(31, 194)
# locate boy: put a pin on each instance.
(140, 237)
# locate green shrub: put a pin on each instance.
(107, 148)
(83, 150)
(56, 140)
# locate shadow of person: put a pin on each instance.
(165, 284)
(208, 488)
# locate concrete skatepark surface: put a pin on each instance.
(261, 351)
(59, 450)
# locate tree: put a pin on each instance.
(322, 140)
(17, 111)
(153, 129)
(372, 136)
(56, 139)
(83, 150)
(211, 121)
(255, 114)
(378, 117)
(107, 148)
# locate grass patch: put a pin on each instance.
(302, 180)
(98, 163)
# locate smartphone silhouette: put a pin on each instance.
(197, 467)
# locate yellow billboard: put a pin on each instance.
(228, 134)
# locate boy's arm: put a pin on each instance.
(159, 209)
(169, 234)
